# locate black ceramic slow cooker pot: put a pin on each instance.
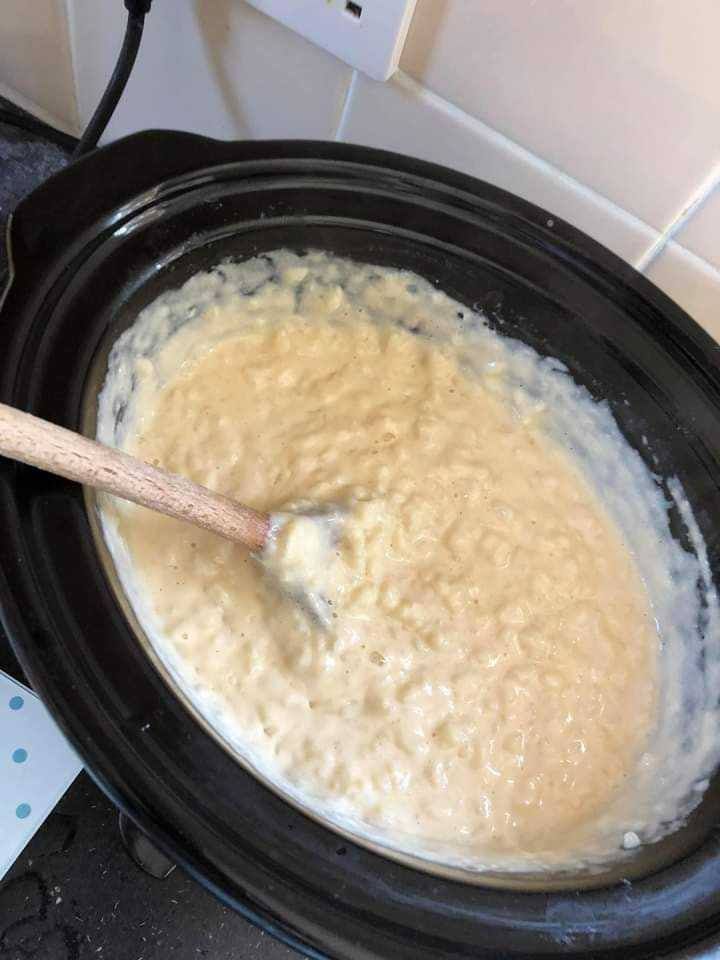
(103, 238)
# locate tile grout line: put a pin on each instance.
(72, 46)
(675, 226)
(712, 181)
(345, 109)
(412, 86)
(415, 88)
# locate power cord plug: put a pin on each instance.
(138, 6)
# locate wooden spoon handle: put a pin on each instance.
(67, 454)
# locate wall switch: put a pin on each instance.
(367, 34)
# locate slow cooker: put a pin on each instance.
(100, 240)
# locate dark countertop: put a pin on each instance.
(75, 893)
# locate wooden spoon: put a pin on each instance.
(67, 454)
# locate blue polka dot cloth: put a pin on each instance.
(37, 765)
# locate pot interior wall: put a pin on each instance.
(515, 307)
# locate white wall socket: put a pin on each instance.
(367, 34)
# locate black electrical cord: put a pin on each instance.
(15, 117)
(137, 9)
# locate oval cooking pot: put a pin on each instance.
(103, 238)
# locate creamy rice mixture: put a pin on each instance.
(505, 677)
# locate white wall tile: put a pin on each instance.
(691, 282)
(35, 60)
(216, 67)
(701, 234)
(624, 95)
(401, 116)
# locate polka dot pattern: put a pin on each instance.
(20, 755)
(36, 766)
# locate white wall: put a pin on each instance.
(606, 112)
(35, 62)
(621, 95)
(213, 66)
